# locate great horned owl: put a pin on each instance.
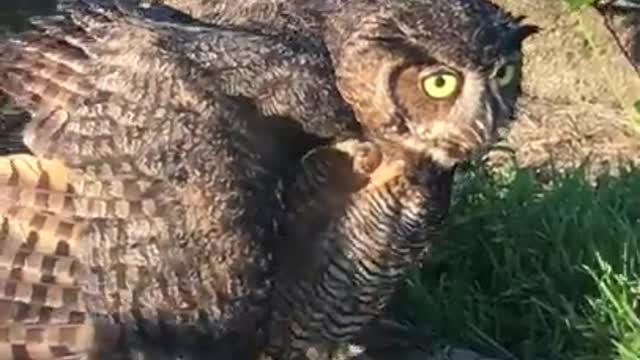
(431, 81)
(158, 145)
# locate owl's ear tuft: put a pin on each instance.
(527, 30)
(519, 33)
(522, 31)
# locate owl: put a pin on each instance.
(430, 82)
(179, 170)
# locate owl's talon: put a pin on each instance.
(312, 354)
(264, 356)
(367, 158)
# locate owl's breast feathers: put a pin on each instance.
(369, 210)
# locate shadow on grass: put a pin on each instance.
(532, 271)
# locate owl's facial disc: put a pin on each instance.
(452, 115)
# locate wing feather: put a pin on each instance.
(96, 84)
(84, 217)
(41, 271)
(101, 207)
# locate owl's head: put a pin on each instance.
(439, 76)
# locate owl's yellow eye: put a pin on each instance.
(441, 85)
(506, 74)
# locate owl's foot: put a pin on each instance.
(350, 352)
(368, 161)
(367, 156)
(387, 339)
(312, 353)
(318, 351)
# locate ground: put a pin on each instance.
(579, 89)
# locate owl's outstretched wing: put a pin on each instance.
(270, 52)
(87, 218)
(97, 91)
(155, 149)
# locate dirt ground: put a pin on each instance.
(579, 89)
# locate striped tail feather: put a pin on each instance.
(43, 311)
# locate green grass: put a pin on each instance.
(577, 4)
(533, 271)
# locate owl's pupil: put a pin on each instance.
(501, 73)
(440, 81)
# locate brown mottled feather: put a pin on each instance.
(145, 207)
(360, 214)
(42, 267)
(270, 16)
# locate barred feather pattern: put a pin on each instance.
(42, 304)
(278, 17)
(366, 232)
(140, 223)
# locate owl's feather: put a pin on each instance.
(363, 227)
(277, 17)
(43, 306)
(151, 187)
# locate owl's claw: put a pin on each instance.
(314, 353)
(367, 158)
(387, 336)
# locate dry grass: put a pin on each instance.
(551, 136)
